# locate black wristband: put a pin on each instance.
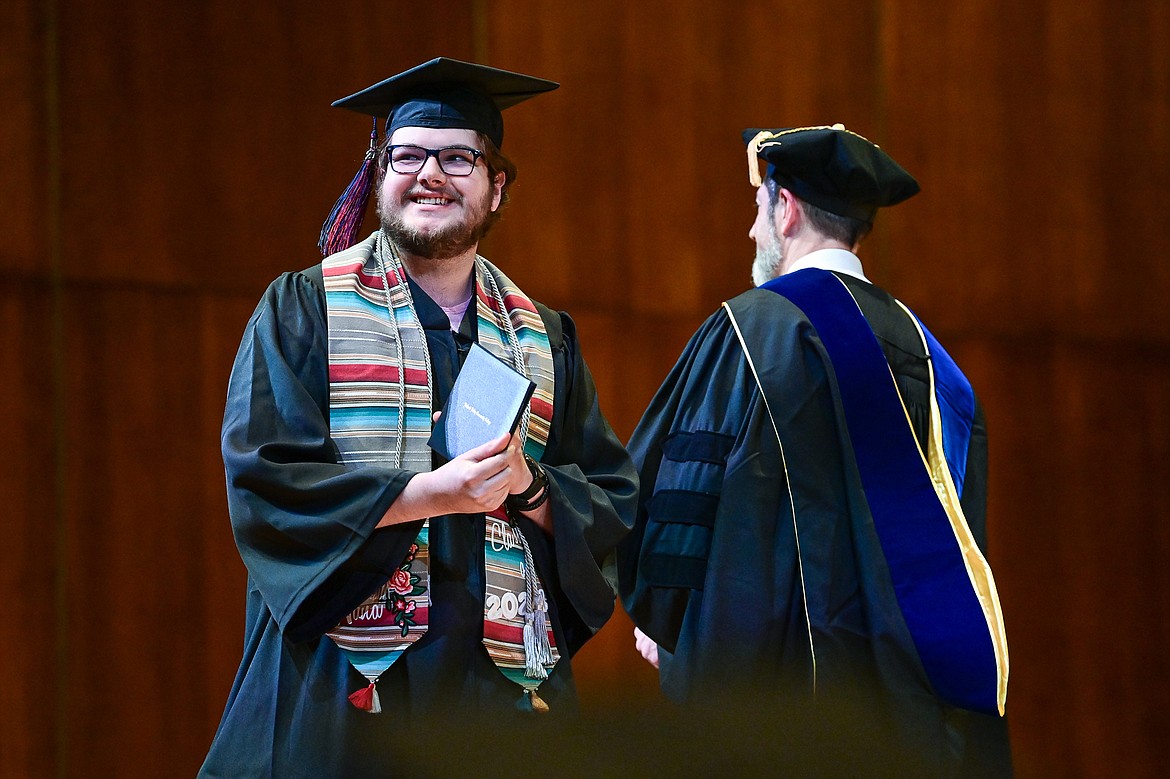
(537, 492)
(535, 504)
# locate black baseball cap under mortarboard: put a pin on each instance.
(442, 93)
(447, 93)
(830, 167)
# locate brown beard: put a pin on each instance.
(443, 243)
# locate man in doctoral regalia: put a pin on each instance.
(393, 593)
(810, 534)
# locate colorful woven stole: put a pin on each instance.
(516, 630)
(942, 582)
(520, 640)
(510, 327)
(380, 411)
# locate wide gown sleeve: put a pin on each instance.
(593, 496)
(303, 522)
(659, 610)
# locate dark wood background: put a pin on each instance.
(163, 161)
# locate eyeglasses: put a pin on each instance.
(453, 160)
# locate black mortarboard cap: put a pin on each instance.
(830, 167)
(447, 93)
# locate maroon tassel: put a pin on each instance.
(341, 229)
(366, 699)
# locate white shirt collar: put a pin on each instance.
(838, 260)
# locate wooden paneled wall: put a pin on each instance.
(162, 162)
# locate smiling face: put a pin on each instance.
(431, 214)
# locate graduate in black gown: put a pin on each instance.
(792, 562)
(330, 478)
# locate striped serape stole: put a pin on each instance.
(377, 366)
(379, 412)
(535, 359)
(515, 621)
(377, 632)
(516, 630)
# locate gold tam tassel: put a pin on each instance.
(753, 156)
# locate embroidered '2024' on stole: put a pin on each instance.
(380, 406)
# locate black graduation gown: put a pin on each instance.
(711, 572)
(304, 525)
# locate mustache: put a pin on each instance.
(450, 194)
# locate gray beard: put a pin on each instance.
(441, 244)
(769, 260)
